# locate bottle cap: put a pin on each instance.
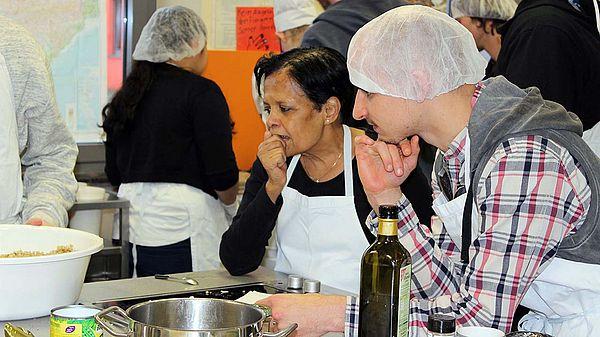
(441, 323)
(388, 211)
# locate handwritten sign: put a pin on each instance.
(255, 29)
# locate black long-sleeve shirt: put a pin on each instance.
(550, 45)
(181, 133)
(243, 244)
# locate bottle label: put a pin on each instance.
(404, 301)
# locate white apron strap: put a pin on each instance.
(348, 177)
(291, 168)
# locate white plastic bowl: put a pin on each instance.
(32, 286)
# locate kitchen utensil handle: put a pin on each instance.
(283, 333)
(161, 277)
(106, 322)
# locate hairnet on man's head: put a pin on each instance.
(290, 14)
(172, 33)
(485, 9)
(413, 52)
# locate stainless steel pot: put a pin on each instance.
(188, 317)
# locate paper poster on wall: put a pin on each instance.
(255, 29)
(223, 34)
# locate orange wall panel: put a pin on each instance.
(232, 71)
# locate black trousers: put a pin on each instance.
(169, 259)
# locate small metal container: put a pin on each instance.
(74, 321)
(311, 286)
(295, 282)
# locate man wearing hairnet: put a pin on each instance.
(554, 45)
(512, 161)
(483, 18)
(33, 136)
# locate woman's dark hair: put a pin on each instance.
(119, 112)
(320, 72)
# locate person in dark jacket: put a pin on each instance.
(555, 45)
(168, 148)
(483, 18)
(335, 27)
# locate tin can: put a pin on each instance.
(74, 321)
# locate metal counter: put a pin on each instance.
(118, 289)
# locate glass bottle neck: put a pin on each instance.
(387, 227)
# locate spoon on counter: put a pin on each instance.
(184, 280)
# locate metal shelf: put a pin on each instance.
(113, 202)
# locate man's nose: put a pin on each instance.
(359, 112)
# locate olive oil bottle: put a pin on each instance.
(385, 281)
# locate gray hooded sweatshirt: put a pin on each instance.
(504, 111)
(48, 151)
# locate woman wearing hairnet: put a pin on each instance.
(515, 187)
(168, 146)
(482, 18)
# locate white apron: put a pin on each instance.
(565, 300)
(450, 213)
(321, 237)
(167, 213)
(11, 188)
(557, 297)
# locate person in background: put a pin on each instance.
(483, 18)
(168, 148)
(304, 184)
(341, 19)
(33, 136)
(554, 45)
(292, 19)
(516, 188)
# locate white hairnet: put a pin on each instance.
(485, 9)
(413, 52)
(171, 33)
(291, 14)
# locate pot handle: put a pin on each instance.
(283, 333)
(108, 322)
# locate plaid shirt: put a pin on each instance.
(531, 195)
